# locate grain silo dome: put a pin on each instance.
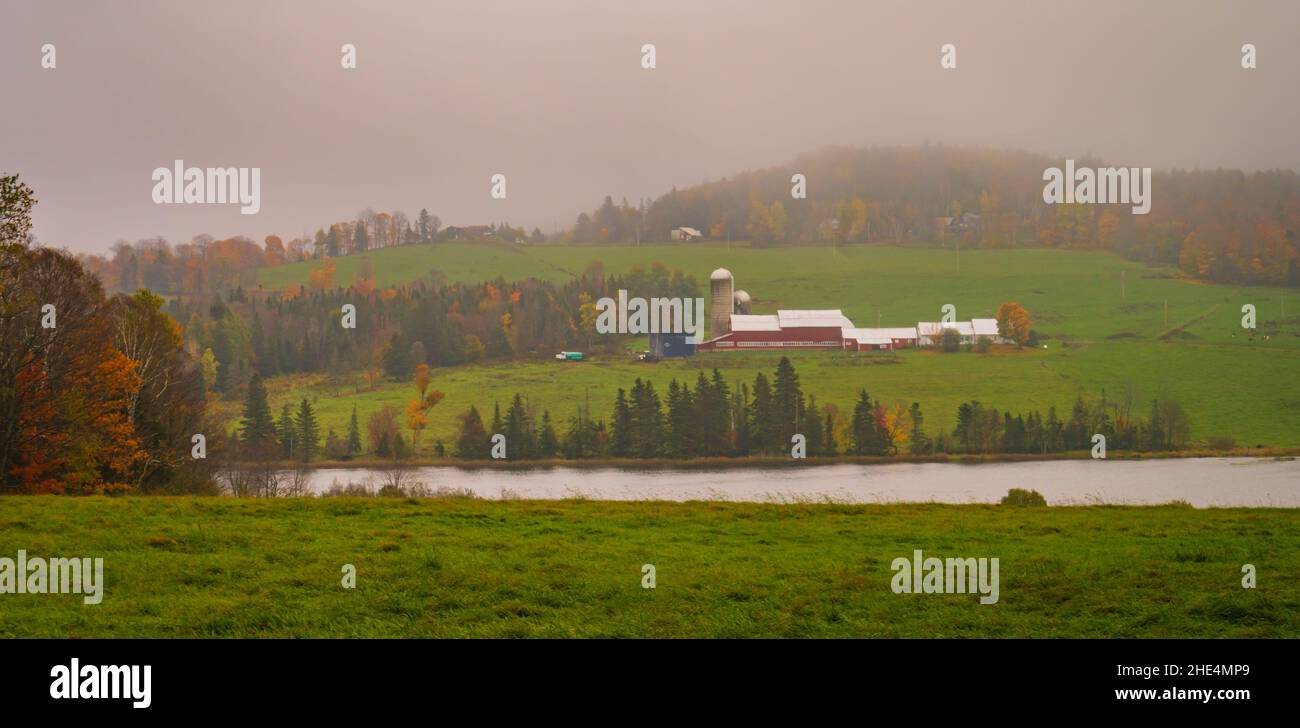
(720, 274)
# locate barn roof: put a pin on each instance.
(936, 328)
(907, 332)
(985, 327)
(748, 322)
(867, 336)
(820, 317)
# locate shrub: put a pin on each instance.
(950, 340)
(1223, 442)
(1022, 497)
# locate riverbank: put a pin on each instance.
(769, 461)
(204, 567)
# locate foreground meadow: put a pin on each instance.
(218, 567)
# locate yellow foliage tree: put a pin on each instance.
(1013, 322)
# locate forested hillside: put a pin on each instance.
(1226, 226)
(1222, 225)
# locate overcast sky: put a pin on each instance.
(552, 94)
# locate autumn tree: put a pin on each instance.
(363, 280)
(165, 408)
(322, 276)
(274, 250)
(1013, 322)
(417, 410)
(16, 201)
(66, 393)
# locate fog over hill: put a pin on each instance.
(553, 96)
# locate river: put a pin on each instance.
(1202, 482)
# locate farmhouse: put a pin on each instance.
(930, 333)
(469, 231)
(686, 233)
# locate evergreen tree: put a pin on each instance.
(918, 443)
(965, 430)
(1053, 431)
(647, 420)
(712, 416)
(810, 426)
(288, 432)
(518, 431)
(397, 359)
(828, 434)
(308, 435)
(765, 429)
(257, 426)
(682, 421)
(1077, 433)
(740, 418)
(472, 443)
(547, 444)
(621, 424)
(720, 438)
(576, 444)
(354, 435)
(865, 439)
(787, 399)
(224, 350)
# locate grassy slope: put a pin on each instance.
(226, 568)
(1230, 386)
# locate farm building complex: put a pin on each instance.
(733, 329)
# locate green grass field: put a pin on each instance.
(195, 567)
(1111, 311)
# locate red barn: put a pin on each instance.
(820, 329)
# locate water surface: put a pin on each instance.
(1200, 481)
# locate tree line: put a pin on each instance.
(714, 418)
(401, 328)
(205, 265)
